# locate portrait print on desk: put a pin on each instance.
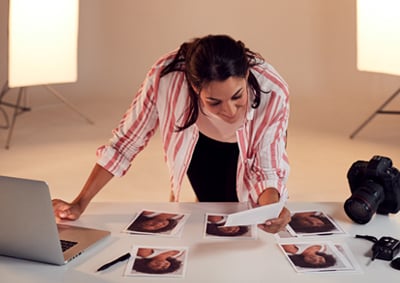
(310, 223)
(157, 261)
(319, 257)
(160, 223)
(214, 228)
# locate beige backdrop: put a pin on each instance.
(311, 43)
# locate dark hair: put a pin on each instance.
(137, 225)
(213, 58)
(298, 260)
(212, 229)
(298, 226)
(142, 265)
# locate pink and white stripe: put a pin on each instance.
(163, 102)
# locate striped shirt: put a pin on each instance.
(163, 102)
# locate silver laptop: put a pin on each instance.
(28, 229)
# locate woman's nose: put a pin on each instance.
(229, 109)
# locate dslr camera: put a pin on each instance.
(375, 187)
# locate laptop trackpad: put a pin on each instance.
(84, 238)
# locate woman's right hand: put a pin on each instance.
(66, 211)
(71, 211)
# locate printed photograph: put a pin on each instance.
(310, 223)
(318, 256)
(157, 223)
(214, 228)
(157, 262)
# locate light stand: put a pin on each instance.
(18, 109)
(20, 106)
(380, 110)
(42, 50)
(378, 44)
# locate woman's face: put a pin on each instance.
(159, 264)
(225, 99)
(155, 224)
(229, 229)
(311, 221)
(314, 259)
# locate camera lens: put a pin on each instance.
(364, 202)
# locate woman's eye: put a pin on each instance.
(237, 97)
(214, 103)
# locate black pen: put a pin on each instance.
(111, 263)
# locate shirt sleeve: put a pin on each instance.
(135, 129)
(270, 166)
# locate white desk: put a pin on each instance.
(219, 260)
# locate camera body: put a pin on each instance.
(375, 187)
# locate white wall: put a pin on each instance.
(311, 43)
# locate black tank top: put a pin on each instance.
(212, 170)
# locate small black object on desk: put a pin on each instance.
(395, 263)
(111, 263)
(385, 248)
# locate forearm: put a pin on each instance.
(268, 196)
(98, 178)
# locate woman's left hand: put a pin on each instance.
(277, 224)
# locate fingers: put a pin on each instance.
(277, 224)
(270, 227)
(59, 207)
(63, 210)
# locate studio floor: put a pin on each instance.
(54, 144)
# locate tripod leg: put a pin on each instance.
(363, 124)
(69, 104)
(3, 92)
(378, 111)
(14, 118)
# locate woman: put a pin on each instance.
(149, 261)
(222, 113)
(153, 222)
(313, 256)
(215, 226)
(311, 222)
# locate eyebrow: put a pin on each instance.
(216, 99)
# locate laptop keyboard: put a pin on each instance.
(65, 245)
